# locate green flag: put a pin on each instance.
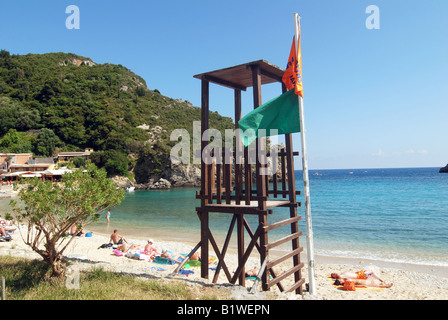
(281, 113)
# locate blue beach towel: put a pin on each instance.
(158, 269)
(161, 260)
(186, 272)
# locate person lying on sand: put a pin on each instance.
(361, 278)
(7, 225)
(124, 248)
(171, 256)
(3, 232)
(252, 272)
(196, 256)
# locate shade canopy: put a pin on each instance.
(240, 76)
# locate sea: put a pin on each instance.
(393, 215)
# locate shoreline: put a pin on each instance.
(84, 254)
(193, 238)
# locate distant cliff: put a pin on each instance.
(444, 169)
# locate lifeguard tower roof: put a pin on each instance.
(240, 76)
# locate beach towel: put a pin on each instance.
(161, 260)
(144, 257)
(194, 263)
(158, 269)
(349, 285)
(186, 272)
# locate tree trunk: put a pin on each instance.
(58, 266)
(54, 258)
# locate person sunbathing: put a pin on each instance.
(7, 225)
(115, 238)
(196, 256)
(171, 256)
(124, 248)
(152, 250)
(361, 278)
(74, 231)
(3, 232)
(252, 272)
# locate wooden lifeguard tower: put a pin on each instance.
(239, 191)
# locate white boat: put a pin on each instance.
(130, 189)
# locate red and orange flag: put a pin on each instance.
(292, 78)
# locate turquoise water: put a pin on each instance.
(398, 215)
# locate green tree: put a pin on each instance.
(49, 210)
(79, 162)
(46, 142)
(10, 139)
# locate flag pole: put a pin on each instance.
(306, 187)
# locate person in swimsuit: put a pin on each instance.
(124, 248)
(108, 216)
(169, 255)
(151, 250)
(75, 232)
(361, 278)
(116, 238)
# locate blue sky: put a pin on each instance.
(372, 98)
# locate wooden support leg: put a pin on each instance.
(204, 243)
(240, 235)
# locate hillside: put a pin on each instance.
(64, 102)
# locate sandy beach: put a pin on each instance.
(409, 282)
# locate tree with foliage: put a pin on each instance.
(115, 162)
(79, 162)
(46, 142)
(49, 210)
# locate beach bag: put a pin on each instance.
(349, 285)
(118, 253)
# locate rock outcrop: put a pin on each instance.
(444, 169)
(187, 175)
(160, 184)
(122, 182)
(154, 185)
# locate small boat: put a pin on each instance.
(130, 188)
